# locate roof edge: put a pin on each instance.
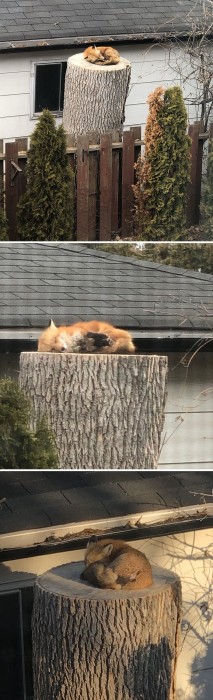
(16, 545)
(73, 41)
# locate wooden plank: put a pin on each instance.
(11, 188)
(115, 184)
(105, 187)
(82, 226)
(194, 188)
(127, 182)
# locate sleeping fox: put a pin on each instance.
(114, 564)
(102, 54)
(86, 336)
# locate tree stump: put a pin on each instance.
(95, 96)
(93, 644)
(107, 411)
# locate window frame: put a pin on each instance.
(16, 591)
(34, 64)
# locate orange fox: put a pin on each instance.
(114, 564)
(102, 54)
(86, 336)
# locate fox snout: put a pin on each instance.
(60, 345)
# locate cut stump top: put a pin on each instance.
(78, 60)
(65, 581)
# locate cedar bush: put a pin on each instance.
(162, 173)
(207, 197)
(195, 256)
(3, 226)
(20, 447)
(45, 211)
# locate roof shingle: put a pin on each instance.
(22, 20)
(70, 282)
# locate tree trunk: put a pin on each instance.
(92, 644)
(107, 411)
(95, 96)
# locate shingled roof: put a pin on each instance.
(48, 22)
(41, 499)
(70, 282)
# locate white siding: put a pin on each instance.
(151, 66)
(188, 430)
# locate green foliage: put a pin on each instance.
(3, 226)
(195, 256)
(207, 198)
(45, 211)
(163, 172)
(20, 447)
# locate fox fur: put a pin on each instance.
(86, 336)
(114, 564)
(104, 55)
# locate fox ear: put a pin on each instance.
(93, 538)
(108, 548)
(51, 324)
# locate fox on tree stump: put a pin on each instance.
(95, 94)
(96, 644)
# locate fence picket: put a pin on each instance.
(115, 223)
(83, 187)
(93, 188)
(105, 173)
(105, 186)
(127, 182)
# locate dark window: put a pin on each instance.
(11, 652)
(27, 605)
(49, 87)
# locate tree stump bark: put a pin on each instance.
(95, 96)
(107, 411)
(92, 644)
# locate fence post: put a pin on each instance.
(127, 182)
(82, 187)
(115, 221)
(105, 186)
(93, 224)
(194, 188)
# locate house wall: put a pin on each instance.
(187, 434)
(190, 556)
(151, 66)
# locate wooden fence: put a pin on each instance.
(104, 175)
